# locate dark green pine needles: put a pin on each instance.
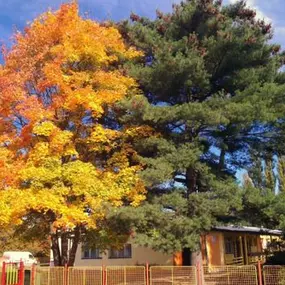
(211, 90)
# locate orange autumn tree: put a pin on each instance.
(63, 157)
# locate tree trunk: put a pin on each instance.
(222, 159)
(73, 250)
(191, 181)
(196, 258)
(192, 258)
(64, 249)
(55, 250)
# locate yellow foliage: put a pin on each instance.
(57, 157)
(102, 139)
(44, 129)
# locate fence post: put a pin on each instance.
(147, 273)
(259, 272)
(33, 274)
(198, 273)
(21, 273)
(104, 274)
(228, 275)
(150, 275)
(3, 279)
(65, 276)
(125, 275)
(84, 276)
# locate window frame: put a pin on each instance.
(125, 253)
(85, 248)
(229, 245)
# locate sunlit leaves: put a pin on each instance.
(58, 156)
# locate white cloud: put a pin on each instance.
(259, 13)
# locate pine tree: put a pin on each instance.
(209, 81)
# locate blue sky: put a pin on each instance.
(16, 13)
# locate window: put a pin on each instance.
(88, 253)
(232, 246)
(229, 246)
(252, 244)
(125, 252)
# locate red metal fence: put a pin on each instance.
(17, 274)
(12, 274)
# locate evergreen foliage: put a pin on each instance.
(213, 93)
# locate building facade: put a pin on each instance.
(236, 245)
(129, 255)
(228, 245)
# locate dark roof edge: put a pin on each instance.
(248, 230)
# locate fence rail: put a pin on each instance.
(127, 275)
(13, 274)
(85, 275)
(173, 275)
(49, 276)
(230, 275)
(274, 275)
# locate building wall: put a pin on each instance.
(140, 256)
(215, 248)
(259, 244)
